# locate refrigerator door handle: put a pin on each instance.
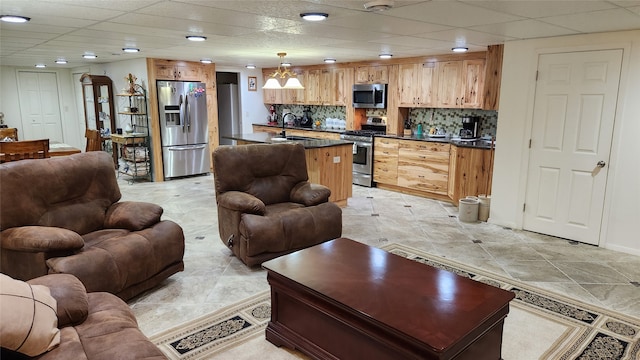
(188, 112)
(186, 148)
(182, 112)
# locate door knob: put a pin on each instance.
(601, 164)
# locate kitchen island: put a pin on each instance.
(329, 162)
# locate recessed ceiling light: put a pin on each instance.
(206, 61)
(41, 65)
(385, 56)
(329, 60)
(196, 38)
(89, 56)
(459, 49)
(314, 16)
(14, 18)
(250, 66)
(130, 50)
(61, 61)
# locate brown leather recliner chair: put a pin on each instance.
(266, 206)
(63, 215)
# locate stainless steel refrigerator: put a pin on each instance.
(228, 112)
(183, 128)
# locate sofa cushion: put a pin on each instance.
(29, 321)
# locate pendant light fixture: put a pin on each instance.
(292, 81)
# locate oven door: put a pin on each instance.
(362, 157)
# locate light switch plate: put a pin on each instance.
(336, 159)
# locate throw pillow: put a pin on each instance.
(29, 321)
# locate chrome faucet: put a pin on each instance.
(284, 118)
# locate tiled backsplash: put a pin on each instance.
(317, 112)
(450, 120)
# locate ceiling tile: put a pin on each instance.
(597, 21)
(542, 8)
(451, 13)
(523, 29)
(463, 37)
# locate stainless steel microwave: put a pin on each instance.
(370, 96)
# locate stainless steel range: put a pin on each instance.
(363, 151)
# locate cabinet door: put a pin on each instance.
(165, 72)
(312, 87)
(341, 89)
(362, 75)
(379, 74)
(407, 82)
(473, 83)
(385, 161)
(424, 166)
(449, 84)
(271, 96)
(325, 87)
(427, 77)
(453, 160)
(189, 72)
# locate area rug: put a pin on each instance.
(540, 325)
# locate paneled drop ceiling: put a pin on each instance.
(241, 32)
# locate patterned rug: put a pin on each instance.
(540, 325)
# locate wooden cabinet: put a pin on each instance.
(385, 160)
(177, 70)
(372, 74)
(424, 166)
(460, 84)
(470, 172)
(416, 84)
(315, 134)
(342, 85)
(99, 108)
(318, 89)
(271, 96)
(295, 96)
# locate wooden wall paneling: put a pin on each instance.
(493, 77)
(154, 119)
(472, 172)
(337, 176)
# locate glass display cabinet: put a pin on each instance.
(99, 112)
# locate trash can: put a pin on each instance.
(468, 210)
(483, 209)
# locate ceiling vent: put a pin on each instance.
(378, 5)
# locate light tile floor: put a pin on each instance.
(213, 278)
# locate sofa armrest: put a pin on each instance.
(240, 201)
(132, 215)
(70, 295)
(310, 194)
(40, 239)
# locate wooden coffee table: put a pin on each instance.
(346, 300)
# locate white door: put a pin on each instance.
(574, 111)
(40, 106)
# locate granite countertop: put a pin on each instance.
(270, 138)
(336, 131)
(478, 144)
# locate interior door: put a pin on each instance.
(574, 111)
(40, 106)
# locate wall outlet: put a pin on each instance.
(336, 159)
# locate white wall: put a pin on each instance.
(621, 217)
(252, 108)
(10, 103)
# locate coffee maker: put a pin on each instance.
(470, 127)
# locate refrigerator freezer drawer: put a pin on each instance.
(185, 160)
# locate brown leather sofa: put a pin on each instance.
(266, 205)
(63, 215)
(93, 326)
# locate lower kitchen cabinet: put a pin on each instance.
(385, 160)
(424, 166)
(470, 172)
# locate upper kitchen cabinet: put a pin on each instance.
(493, 77)
(271, 96)
(342, 85)
(318, 87)
(177, 70)
(372, 74)
(460, 83)
(416, 85)
(296, 96)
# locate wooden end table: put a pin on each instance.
(345, 300)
